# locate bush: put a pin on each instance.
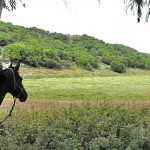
(66, 64)
(105, 61)
(77, 127)
(52, 64)
(55, 138)
(32, 62)
(63, 55)
(94, 63)
(99, 143)
(5, 39)
(89, 67)
(14, 51)
(118, 67)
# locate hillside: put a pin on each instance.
(39, 48)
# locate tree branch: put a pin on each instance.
(1, 6)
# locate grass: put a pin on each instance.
(79, 84)
(74, 71)
(121, 88)
(104, 71)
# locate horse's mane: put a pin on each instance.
(1, 71)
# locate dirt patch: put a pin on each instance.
(7, 104)
(38, 103)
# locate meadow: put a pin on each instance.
(104, 111)
(78, 84)
(90, 88)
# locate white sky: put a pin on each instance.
(107, 21)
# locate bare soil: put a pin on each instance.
(7, 104)
(38, 103)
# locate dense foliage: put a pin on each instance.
(118, 67)
(37, 47)
(84, 127)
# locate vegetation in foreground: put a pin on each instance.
(84, 127)
(87, 126)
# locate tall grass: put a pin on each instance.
(74, 71)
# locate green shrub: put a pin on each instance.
(94, 63)
(89, 67)
(118, 67)
(105, 60)
(99, 143)
(14, 51)
(50, 137)
(65, 64)
(63, 55)
(77, 127)
(52, 64)
(5, 39)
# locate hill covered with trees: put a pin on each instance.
(37, 47)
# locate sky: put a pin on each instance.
(107, 21)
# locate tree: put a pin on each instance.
(9, 5)
(131, 4)
(139, 4)
(1, 6)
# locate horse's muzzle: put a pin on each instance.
(23, 96)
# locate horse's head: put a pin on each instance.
(11, 82)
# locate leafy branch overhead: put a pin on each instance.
(131, 4)
(12, 4)
(140, 6)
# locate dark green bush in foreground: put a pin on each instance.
(78, 127)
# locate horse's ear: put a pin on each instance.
(10, 66)
(17, 66)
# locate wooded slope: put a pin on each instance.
(37, 47)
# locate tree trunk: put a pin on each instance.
(1, 6)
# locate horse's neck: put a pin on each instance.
(3, 91)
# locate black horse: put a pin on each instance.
(11, 82)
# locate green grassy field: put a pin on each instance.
(79, 84)
(123, 88)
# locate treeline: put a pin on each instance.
(37, 47)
